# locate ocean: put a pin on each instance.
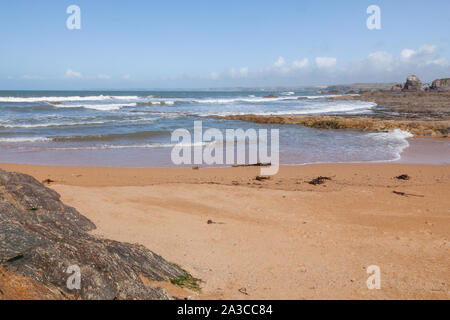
(133, 128)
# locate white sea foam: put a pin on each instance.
(101, 107)
(63, 99)
(395, 139)
(131, 146)
(396, 134)
(52, 124)
(302, 110)
(73, 124)
(241, 99)
(24, 139)
(163, 102)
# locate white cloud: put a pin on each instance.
(380, 60)
(214, 75)
(325, 62)
(279, 63)
(428, 49)
(439, 61)
(32, 77)
(300, 64)
(407, 53)
(126, 77)
(382, 57)
(241, 73)
(73, 74)
(378, 66)
(103, 77)
(426, 55)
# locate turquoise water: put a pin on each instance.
(133, 128)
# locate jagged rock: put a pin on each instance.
(441, 84)
(40, 237)
(397, 87)
(413, 83)
(426, 86)
(270, 96)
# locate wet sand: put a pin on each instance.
(281, 238)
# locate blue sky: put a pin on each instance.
(202, 44)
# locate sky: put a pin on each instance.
(146, 44)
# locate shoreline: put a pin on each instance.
(281, 238)
(423, 114)
(420, 150)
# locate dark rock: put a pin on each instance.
(441, 84)
(413, 83)
(319, 180)
(403, 177)
(262, 178)
(426, 86)
(40, 237)
(397, 87)
(270, 96)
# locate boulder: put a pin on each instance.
(270, 96)
(397, 87)
(441, 84)
(413, 83)
(426, 87)
(41, 237)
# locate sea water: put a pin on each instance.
(133, 128)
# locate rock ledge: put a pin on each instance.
(40, 237)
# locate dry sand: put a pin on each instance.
(281, 238)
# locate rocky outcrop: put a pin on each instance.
(398, 87)
(417, 128)
(413, 83)
(441, 84)
(40, 238)
(334, 92)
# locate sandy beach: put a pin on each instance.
(281, 238)
(195, 152)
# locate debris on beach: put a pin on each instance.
(259, 164)
(407, 194)
(319, 180)
(403, 177)
(213, 222)
(243, 291)
(48, 181)
(196, 168)
(262, 178)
